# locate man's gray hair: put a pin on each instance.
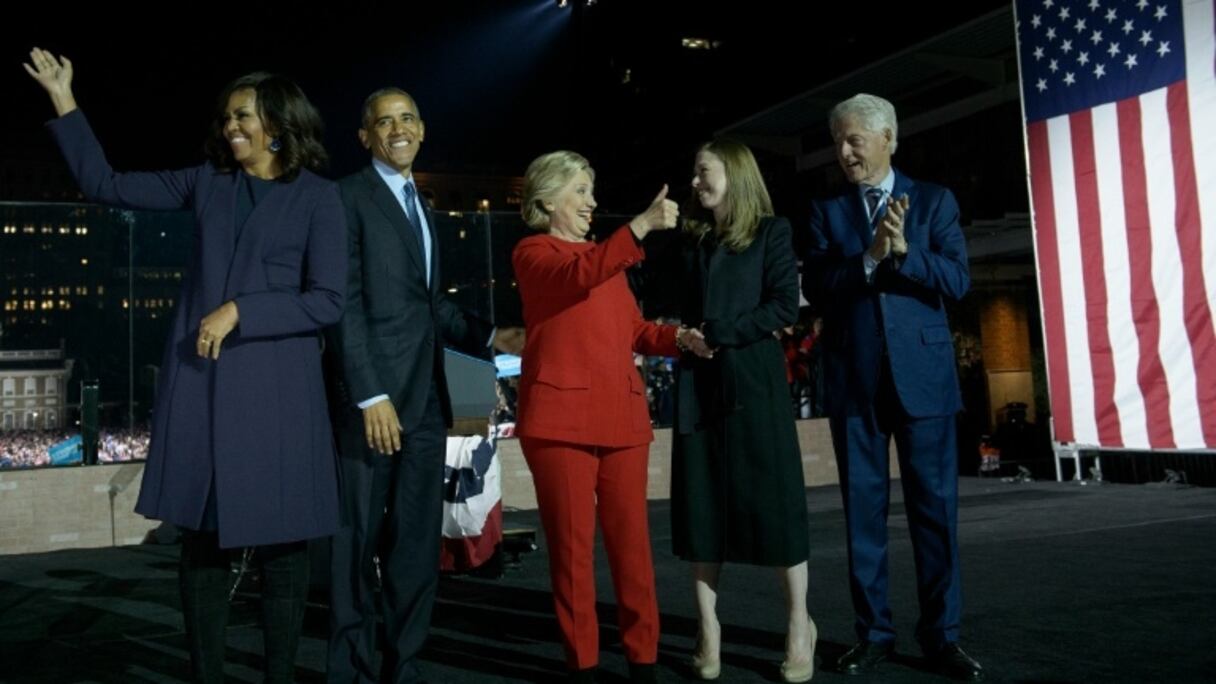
(875, 114)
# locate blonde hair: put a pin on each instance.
(747, 200)
(545, 177)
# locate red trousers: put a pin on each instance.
(575, 484)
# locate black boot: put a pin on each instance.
(203, 578)
(284, 592)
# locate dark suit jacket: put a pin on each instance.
(255, 419)
(391, 338)
(901, 309)
(579, 383)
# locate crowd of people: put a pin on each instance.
(255, 445)
(32, 448)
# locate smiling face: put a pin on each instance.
(709, 183)
(570, 209)
(394, 132)
(864, 155)
(243, 129)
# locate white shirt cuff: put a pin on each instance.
(366, 403)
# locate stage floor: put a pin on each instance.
(1062, 583)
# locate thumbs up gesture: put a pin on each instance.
(660, 215)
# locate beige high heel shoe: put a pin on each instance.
(702, 666)
(802, 672)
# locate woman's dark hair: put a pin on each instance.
(286, 115)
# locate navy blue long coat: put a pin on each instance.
(256, 418)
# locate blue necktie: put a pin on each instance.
(411, 212)
(873, 201)
(873, 198)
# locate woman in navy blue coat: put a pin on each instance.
(241, 452)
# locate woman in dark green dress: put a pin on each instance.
(737, 492)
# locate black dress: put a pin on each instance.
(737, 490)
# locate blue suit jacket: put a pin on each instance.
(901, 307)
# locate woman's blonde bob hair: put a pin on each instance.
(545, 177)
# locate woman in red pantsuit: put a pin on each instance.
(583, 420)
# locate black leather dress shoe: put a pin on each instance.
(954, 662)
(864, 657)
(587, 676)
(642, 673)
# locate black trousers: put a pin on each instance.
(205, 579)
(392, 508)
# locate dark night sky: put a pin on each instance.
(497, 82)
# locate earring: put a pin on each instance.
(275, 145)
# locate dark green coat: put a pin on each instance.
(737, 492)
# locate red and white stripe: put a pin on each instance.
(1123, 202)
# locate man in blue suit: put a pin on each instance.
(883, 259)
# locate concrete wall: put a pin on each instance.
(70, 507)
(818, 464)
(82, 507)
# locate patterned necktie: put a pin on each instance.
(873, 200)
(873, 197)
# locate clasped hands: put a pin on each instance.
(693, 340)
(889, 235)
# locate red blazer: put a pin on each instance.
(579, 383)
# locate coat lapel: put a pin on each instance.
(430, 226)
(905, 186)
(247, 253)
(707, 250)
(218, 238)
(855, 216)
(383, 198)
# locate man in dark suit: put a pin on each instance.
(392, 402)
(883, 259)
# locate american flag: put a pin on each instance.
(1120, 111)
